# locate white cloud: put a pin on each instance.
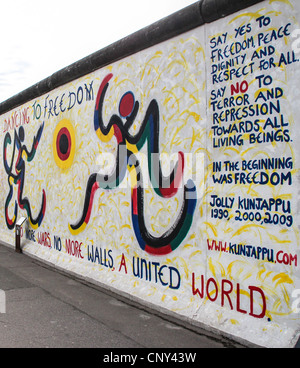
(39, 38)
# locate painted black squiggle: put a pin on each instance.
(19, 177)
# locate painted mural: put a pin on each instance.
(172, 176)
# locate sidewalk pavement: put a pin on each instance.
(48, 308)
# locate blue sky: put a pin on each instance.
(37, 38)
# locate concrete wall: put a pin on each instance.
(171, 175)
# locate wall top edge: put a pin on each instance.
(184, 20)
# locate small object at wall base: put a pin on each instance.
(18, 239)
(18, 234)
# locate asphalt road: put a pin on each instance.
(47, 308)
